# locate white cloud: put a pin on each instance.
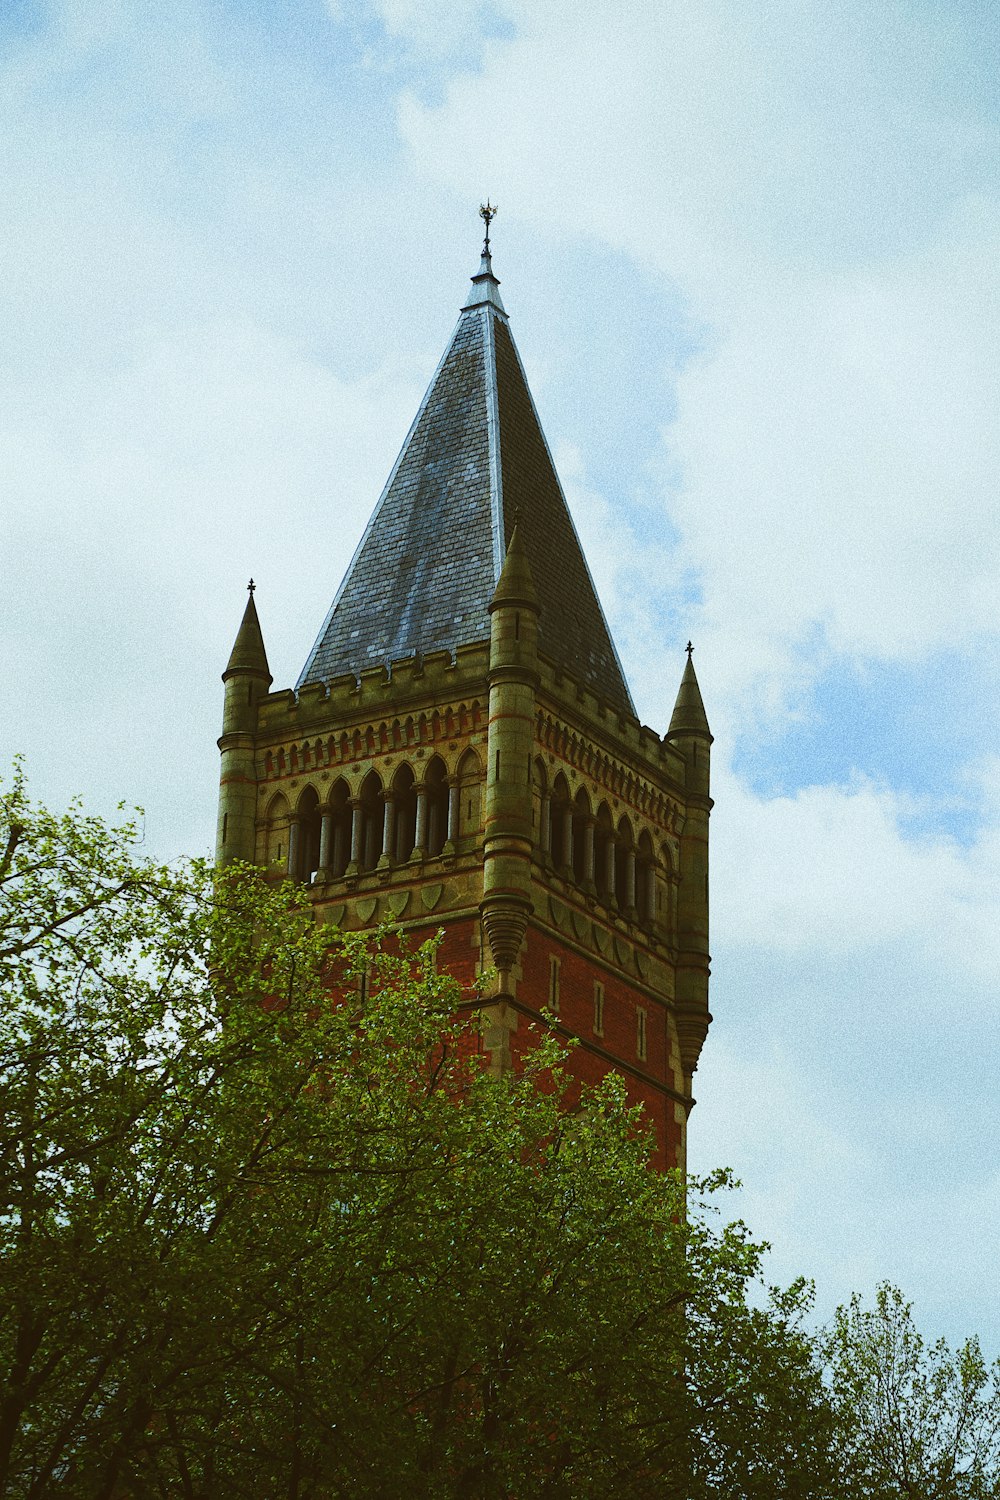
(822, 187)
(830, 866)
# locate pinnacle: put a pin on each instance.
(689, 717)
(515, 584)
(248, 655)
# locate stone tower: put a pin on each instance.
(461, 751)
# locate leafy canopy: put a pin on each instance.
(266, 1231)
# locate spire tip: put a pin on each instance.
(487, 212)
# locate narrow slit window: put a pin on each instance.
(225, 826)
(640, 1033)
(598, 1008)
(554, 984)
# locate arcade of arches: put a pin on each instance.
(384, 826)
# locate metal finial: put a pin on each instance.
(487, 212)
(251, 586)
(689, 649)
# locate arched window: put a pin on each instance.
(276, 856)
(604, 855)
(372, 817)
(437, 805)
(405, 799)
(583, 840)
(469, 792)
(541, 814)
(340, 836)
(645, 880)
(307, 814)
(562, 827)
(625, 867)
(666, 910)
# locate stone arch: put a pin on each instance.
(604, 855)
(562, 825)
(583, 845)
(276, 837)
(340, 827)
(667, 890)
(436, 782)
(645, 879)
(307, 818)
(625, 865)
(470, 776)
(541, 807)
(404, 802)
(371, 810)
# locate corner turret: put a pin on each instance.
(689, 733)
(247, 679)
(508, 834)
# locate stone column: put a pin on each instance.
(325, 836)
(294, 844)
(648, 912)
(566, 839)
(628, 894)
(545, 826)
(454, 793)
(420, 837)
(357, 825)
(388, 824)
(588, 854)
(610, 849)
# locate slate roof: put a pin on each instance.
(474, 462)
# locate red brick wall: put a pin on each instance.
(645, 1081)
(596, 1055)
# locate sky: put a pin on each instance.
(749, 255)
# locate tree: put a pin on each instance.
(270, 1231)
(912, 1419)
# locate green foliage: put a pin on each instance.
(912, 1419)
(257, 1243)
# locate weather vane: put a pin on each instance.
(487, 212)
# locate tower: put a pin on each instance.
(461, 751)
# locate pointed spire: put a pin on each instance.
(434, 548)
(248, 655)
(515, 586)
(689, 717)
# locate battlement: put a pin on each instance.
(618, 733)
(407, 684)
